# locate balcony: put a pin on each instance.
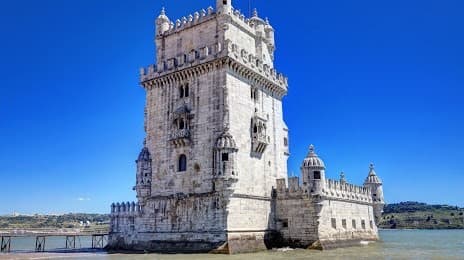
(259, 142)
(180, 137)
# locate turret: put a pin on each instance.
(144, 174)
(258, 24)
(313, 172)
(269, 35)
(224, 6)
(375, 185)
(225, 155)
(162, 23)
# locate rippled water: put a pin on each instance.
(395, 244)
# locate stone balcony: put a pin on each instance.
(259, 143)
(180, 137)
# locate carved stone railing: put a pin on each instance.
(346, 191)
(180, 137)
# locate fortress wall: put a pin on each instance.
(172, 224)
(336, 227)
(249, 221)
(296, 214)
(297, 221)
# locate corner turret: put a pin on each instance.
(269, 36)
(162, 23)
(374, 183)
(225, 155)
(144, 174)
(224, 6)
(313, 172)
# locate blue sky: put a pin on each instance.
(378, 81)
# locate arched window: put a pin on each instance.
(255, 129)
(181, 124)
(186, 90)
(182, 167)
(317, 175)
(181, 92)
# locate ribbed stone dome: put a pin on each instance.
(256, 19)
(372, 177)
(226, 141)
(162, 16)
(144, 155)
(312, 160)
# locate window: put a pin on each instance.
(344, 223)
(255, 129)
(182, 167)
(363, 224)
(371, 224)
(285, 223)
(181, 92)
(181, 124)
(225, 157)
(353, 223)
(285, 141)
(186, 90)
(224, 2)
(334, 223)
(254, 94)
(317, 175)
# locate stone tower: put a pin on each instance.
(215, 137)
(313, 172)
(212, 175)
(374, 183)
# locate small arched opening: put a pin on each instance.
(182, 165)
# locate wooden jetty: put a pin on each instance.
(99, 237)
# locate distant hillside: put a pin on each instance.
(399, 215)
(51, 221)
(415, 215)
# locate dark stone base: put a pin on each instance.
(166, 247)
(237, 243)
(243, 243)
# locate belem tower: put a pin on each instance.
(212, 175)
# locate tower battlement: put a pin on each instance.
(332, 189)
(235, 57)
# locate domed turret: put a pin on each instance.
(224, 6)
(312, 160)
(258, 23)
(144, 174)
(313, 172)
(162, 23)
(226, 141)
(226, 149)
(374, 183)
(372, 176)
(269, 33)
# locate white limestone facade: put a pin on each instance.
(212, 174)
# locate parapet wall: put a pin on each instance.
(204, 15)
(262, 72)
(190, 20)
(125, 208)
(332, 189)
(346, 191)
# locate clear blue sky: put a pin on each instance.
(379, 81)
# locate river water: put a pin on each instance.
(394, 244)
